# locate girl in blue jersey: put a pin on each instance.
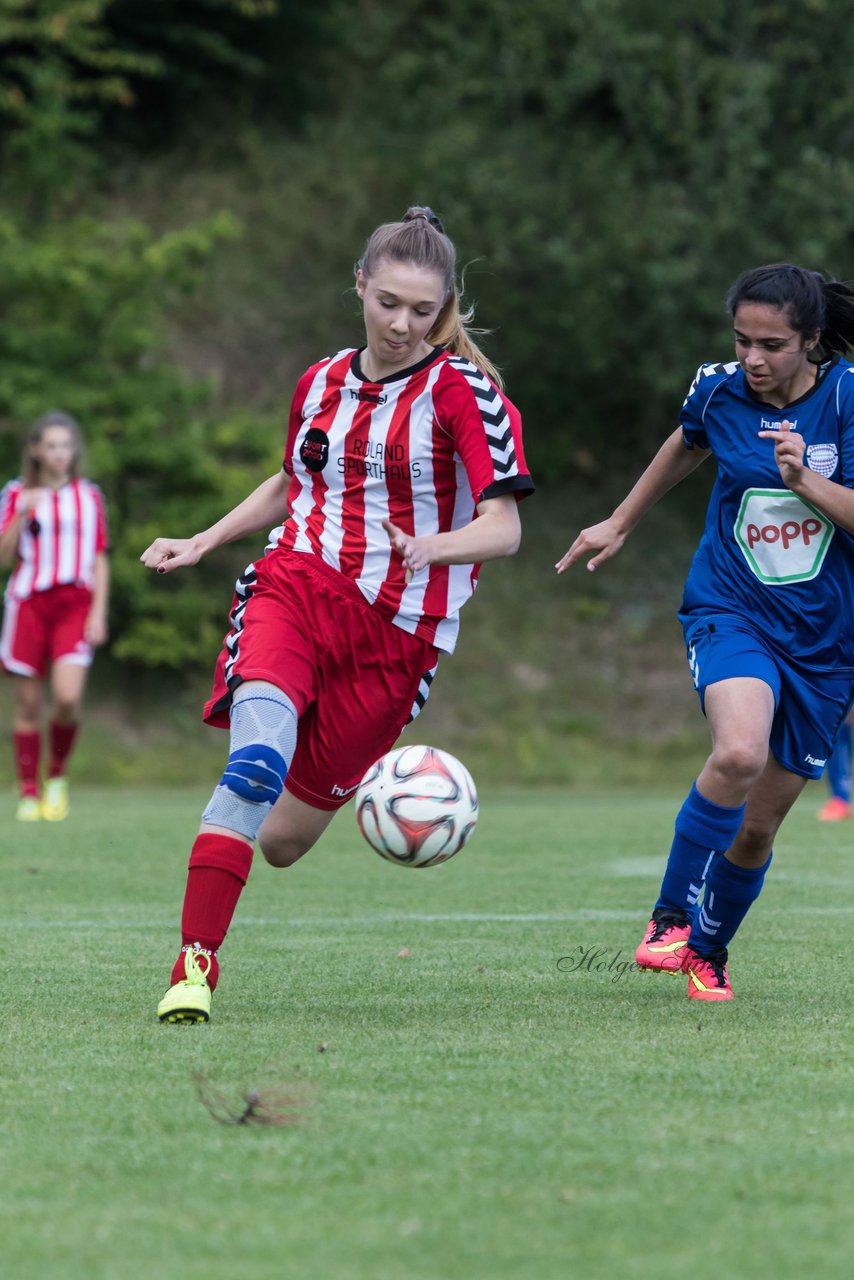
(768, 608)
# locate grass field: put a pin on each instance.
(471, 1109)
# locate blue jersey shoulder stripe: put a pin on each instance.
(707, 371)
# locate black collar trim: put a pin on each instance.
(356, 368)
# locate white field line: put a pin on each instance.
(366, 921)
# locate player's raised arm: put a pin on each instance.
(672, 463)
(264, 507)
(16, 508)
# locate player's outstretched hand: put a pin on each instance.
(166, 554)
(29, 499)
(789, 449)
(412, 551)
(605, 539)
(95, 631)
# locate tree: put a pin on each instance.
(614, 164)
(87, 302)
(84, 331)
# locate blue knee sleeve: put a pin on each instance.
(263, 740)
(256, 773)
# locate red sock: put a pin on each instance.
(61, 741)
(219, 868)
(27, 749)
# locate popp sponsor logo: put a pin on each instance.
(786, 533)
(782, 538)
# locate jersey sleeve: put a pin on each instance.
(9, 503)
(845, 402)
(295, 416)
(691, 416)
(707, 379)
(486, 429)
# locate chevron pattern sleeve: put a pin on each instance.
(487, 431)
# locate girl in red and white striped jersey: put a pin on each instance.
(53, 525)
(402, 471)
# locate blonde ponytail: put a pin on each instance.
(453, 330)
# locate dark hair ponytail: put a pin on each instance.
(811, 302)
(838, 332)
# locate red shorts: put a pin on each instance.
(353, 676)
(46, 628)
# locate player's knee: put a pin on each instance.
(66, 710)
(281, 850)
(255, 773)
(759, 829)
(28, 703)
(755, 839)
(740, 762)
(252, 782)
(263, 738)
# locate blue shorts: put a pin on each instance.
(809, 705)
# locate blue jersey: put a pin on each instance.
(766, 554)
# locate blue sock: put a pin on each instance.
(702, 830)
(730, 892)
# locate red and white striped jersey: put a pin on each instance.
(59, 538)
(421, 448)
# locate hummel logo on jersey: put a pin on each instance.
(766, 424)
(371, 397)
(819, 764)
(343, 791)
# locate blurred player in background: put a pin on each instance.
(402, 470)
(768, 609)
(837, 807)
(53, 526)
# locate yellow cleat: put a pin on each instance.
(29, 809)
(190, 999)
(55, 800)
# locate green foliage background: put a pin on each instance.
(185, 188)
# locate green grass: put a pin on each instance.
(475, 1112)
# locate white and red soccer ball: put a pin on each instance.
(417, 806)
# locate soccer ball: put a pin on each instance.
(417, 806)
